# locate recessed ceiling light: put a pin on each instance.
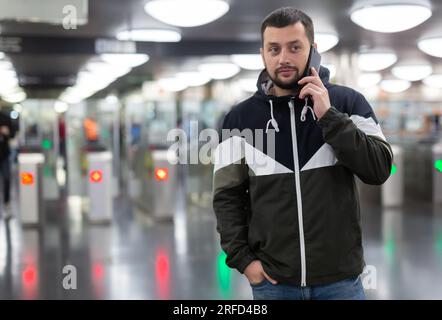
(326, 41)
(248, 61)
(106, 69)
(187, 13)
(413, 72)
(193, 79)
(390, 16)
(173, 84)
(376, 61)
(395, 85)
(128, 60)
(8, 85)
(220, 70)
(367, 80)
(16, 97)
(8, 74)
(151, 35)
(433, 81)
(431, 46)
(60, 106)
(6, 65)
(111, 99)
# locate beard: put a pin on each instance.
(287, 84)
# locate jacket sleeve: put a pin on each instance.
(358, 141)
(231, 199)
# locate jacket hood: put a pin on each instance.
(265, 84)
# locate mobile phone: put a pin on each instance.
(314, 60)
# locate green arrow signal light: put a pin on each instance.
(438, 165)
(393, 169)
(46, 144)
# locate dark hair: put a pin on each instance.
(287, 16)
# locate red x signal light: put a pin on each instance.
(161, 174)
(96, 176)
(27, 178)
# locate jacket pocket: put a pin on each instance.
(273, 229)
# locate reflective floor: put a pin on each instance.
(134, 258)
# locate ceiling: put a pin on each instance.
(238, 27)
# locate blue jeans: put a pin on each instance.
(348, 289)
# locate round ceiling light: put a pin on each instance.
(326, 41)
(220, 70)
(125, 60)
(172, 84)
(248, 61)
(187, 13)
(376, 61)
(367, 80)
(412, 72)
(389, 17)
(433, 81)
(150, 35)
(395, 85)
(431, 46)
(193, 79)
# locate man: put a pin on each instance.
(7, 132)
(295, 231)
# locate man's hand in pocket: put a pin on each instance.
(256, 274)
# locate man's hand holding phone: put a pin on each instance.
(314, 87)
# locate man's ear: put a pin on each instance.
(315, 45)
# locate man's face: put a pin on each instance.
(285, 53)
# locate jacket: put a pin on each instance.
(299, 213)
(5, 121)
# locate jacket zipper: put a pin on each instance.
(298, 192)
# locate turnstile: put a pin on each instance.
(393, 188)
(100, 186)
(164, 184)
(437, 173)
(30, 187)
